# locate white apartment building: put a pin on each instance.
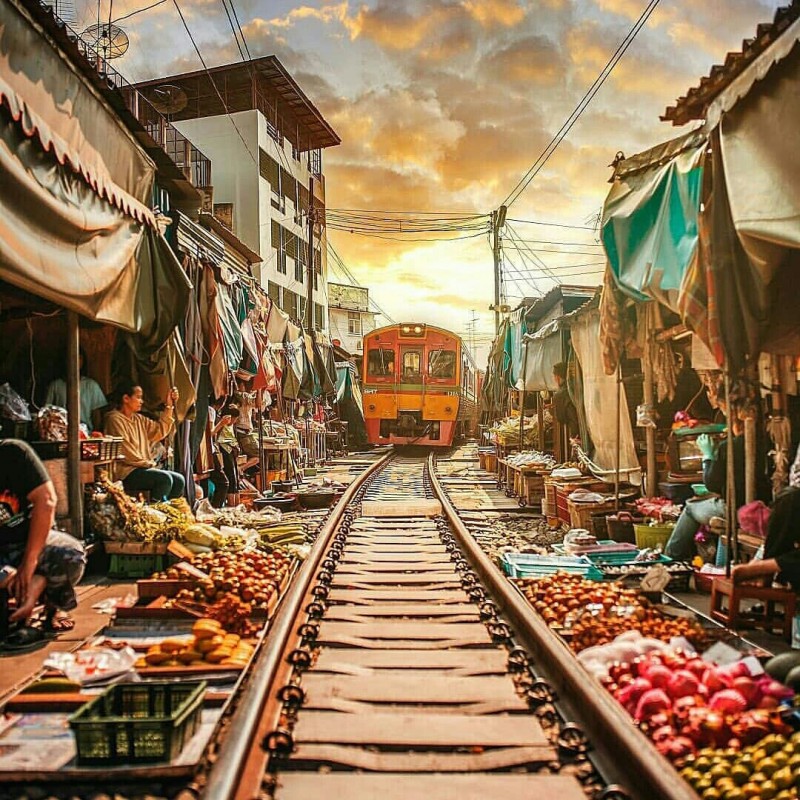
(349, 315)
(265, 140)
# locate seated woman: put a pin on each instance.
(698, 512)
(136, 469)
(781, 549)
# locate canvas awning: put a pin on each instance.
(74, 227)
(542, 350)
(650, 219)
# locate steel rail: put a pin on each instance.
(626, 754)
(225, 778)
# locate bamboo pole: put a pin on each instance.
(651, 486)
(730, 481)
(74, 487)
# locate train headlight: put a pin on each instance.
(406, 329)
(417, 329)
(371, 406)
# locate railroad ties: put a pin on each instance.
(409, 696)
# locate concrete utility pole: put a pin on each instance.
(498, 221)
(309, 320)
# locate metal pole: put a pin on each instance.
(619, 436)
(522, 397)
(749, 459)
(730, 480)
(262, 460)
(74, 488)
(650, 432)
(309, 320)
(496, 259)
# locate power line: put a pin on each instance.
(139, 11)
(553, 224)
(241, 32)
(233, 29)
(551, 147)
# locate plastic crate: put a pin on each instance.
(106, 449)
(138, 722)
(11, 429)
(134, 565)
(525, 565)
(648, 536)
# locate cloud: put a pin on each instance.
(532, 60)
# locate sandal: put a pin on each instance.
(25, 639)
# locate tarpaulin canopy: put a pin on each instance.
(542, 350)
(650, 219)
(56, 105)
(600, 403)
(516, 330)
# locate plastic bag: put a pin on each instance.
(93, 664)
(754, 518)
(645, 416)
(12, 405)
(52, 422)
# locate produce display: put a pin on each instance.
(659, 508)
(683, 702)
(506, 432)
(251, 576)
(210, 643)
(532, 458)
(769, 770)
(594, 613)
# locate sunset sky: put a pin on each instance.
(442, 105)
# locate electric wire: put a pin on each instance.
(241, 32)
(233, 30)
(561, 134)
(140, 11)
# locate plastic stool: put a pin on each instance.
(732, 615)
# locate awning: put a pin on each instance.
(542, 350)
(53, 103)
(650, 219)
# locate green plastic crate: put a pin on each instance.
(136, 565)
(138, 723)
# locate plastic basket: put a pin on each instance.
(138, 722)
(620, 526)
(131, 565)
(526, 565)
(648, 536)
(106, 449)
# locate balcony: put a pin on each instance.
(190, 162)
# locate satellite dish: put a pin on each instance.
(110, 41)
(168, 99)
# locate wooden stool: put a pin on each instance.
(732, 616)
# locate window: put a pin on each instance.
(280, 241)
(269, 169)
(412, 361)
(442, 364)
(274, 292)
(380, 363)
(319, 317)
(315, 162)
(354, 323)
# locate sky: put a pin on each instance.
(443, 105)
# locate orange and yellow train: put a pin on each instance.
(420, 386)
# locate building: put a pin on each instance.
(349, 315)
(265, 138)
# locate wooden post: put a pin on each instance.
(619, 437)
(540, 418)
(750, 459)
(651, 486)
(262, 459)
(309, 320)
(730, 480)
(522, 398)
(74, 487)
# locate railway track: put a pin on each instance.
(402, 665)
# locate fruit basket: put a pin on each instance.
(137, 723)
(652, 535)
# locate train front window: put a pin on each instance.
(412, 360)
(442, 364)
(380, 363)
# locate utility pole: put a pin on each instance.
(498, 221)
(471, 327)
(309, 320)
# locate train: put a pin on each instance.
(420, 386)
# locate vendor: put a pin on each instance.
(563, 408)
(137, 469)
(224, 475)
(781, 548)
(92, 398)
(44, 564)
(700, 511)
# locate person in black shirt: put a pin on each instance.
(563, 407)
(44, 564)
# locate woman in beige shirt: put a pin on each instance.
(137, 469)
